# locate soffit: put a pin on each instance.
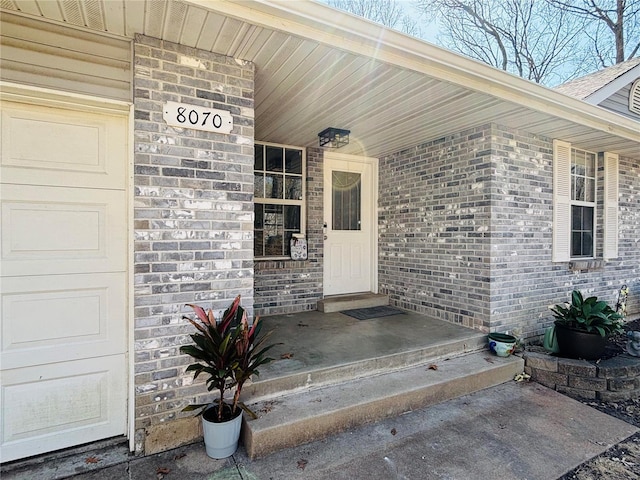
(317, 68)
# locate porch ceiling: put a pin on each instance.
(316, 68)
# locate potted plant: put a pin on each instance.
(229, 351)
(583, 326)
(502, 344)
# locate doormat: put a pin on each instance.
(372, 312)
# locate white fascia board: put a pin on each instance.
(612, 87)
(318, 22)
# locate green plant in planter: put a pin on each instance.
(229, 351)
(588, 315)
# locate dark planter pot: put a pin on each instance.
(579, 344)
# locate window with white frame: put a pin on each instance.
(576, 203)
(279, 198)
(583, 203)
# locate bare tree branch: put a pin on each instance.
(389, 13)
(621, 18)
(529, 38)
(545, 41)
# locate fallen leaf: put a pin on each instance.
(178, 457)
(488, 359)
(302, 463)
(163, 470)
(433, 366)
(268, 406)
(598, 443)
(393, 431)
(286, 356)
(92, 460)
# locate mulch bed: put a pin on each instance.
(621, 462)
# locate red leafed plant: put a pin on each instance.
(229, 351)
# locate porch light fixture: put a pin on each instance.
(334, 137)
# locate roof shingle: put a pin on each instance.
(589, 84)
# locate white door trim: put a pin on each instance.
(373, 162)
(131, 393)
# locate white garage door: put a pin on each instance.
(63, 275)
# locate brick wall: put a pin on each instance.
(465, 226)
(524, 280)
(521, 231)
(295, 286)
(611, 379)
(193, 213)
(465, 232)
(434, 226)
(628, 264)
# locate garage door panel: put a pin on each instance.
(59, 405)
(62, 230)
(74, 148)
(47, 319)
(64, 273)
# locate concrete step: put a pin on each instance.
(273, 383)
(313, 414)
(338, 303)
(69, 462)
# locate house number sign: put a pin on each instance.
(197, 118)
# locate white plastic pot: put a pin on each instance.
(221, 439)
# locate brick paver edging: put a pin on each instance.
(613, 379)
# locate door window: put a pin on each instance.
(347, 200)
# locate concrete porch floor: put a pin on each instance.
(334, 372)
(317, 340)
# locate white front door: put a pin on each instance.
(350, 246)
(63, 279)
